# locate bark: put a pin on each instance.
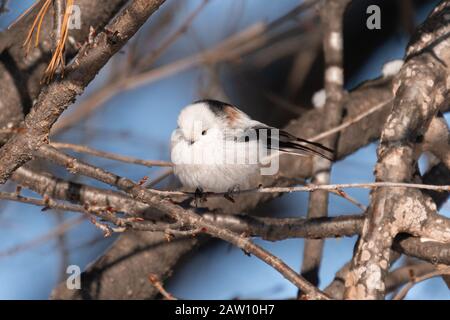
(120, 273)
(20, 75)
(420, 89)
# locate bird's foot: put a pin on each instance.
(185, 203)
(199, 196)
(232, 192)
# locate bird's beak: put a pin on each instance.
(191, 142)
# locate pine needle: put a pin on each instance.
(58, 59)
(37, 21)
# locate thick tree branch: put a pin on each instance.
(373, 93)
(439, 271)
(139, 253)
(186, 216)
(420, 88)
(275, 229)
(332, 16)
(360, 139)
(47, 185)
(95, 281)
(20, 75)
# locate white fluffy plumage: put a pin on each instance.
(217, 147)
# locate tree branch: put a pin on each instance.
(186, 216)
(20, 75)
(420, 88)
(60, 94)
(332, 16)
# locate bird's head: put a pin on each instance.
(208, 118)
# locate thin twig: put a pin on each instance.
(313, 187)
(109, 155)
(56, 232)
(104, 213)
(332, 17)
(23, 14)
(58, 11)
(350, 122)
(402, 275)
(333, 187)
(163, 175)
(82, 70)
(186, 217)
(154, 280)
(404, 291)
(349, 198)
(46, 203)
(76, 166)
(232, 47)
(154, 55)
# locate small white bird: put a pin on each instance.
(218, 148)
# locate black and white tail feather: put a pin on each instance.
(287, 143)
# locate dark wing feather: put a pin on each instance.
(291, 144)
(289, 141)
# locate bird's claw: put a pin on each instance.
(199, 196)
(231, 193)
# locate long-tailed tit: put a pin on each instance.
(218, 148)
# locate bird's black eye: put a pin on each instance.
(203, 132)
